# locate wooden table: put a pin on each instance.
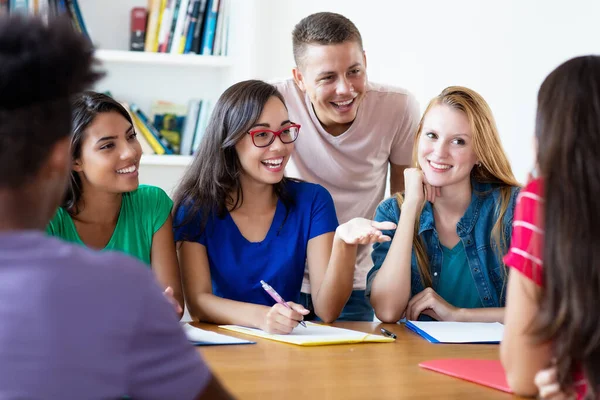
(273, 370)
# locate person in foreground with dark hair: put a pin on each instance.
(90, 325)
(239, 221)
(105, 207)
(553, 288)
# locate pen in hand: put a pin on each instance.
(277, 297)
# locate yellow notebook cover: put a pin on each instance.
(313, 335)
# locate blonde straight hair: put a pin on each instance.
(494, 168)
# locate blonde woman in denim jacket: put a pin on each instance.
(445, 258)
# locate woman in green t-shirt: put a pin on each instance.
(105, 208)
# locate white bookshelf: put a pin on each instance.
(141, 77)
(162, 59)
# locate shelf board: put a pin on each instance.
(167, 160)
(148, 58)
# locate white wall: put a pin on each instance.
(503, 49)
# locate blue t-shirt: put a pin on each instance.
(237, 265)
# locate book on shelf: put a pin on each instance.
(203, 117)
(187, 26)
(194, 45)
(138, 19)
(187, 121)
(189, 127)
(46, 9)
(169, 119)
(208, 36)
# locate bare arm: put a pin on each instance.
(164, 261)
(396, 178)
(331, 268)
(391, 287)
(521, 356)
(490, 314)
(202, 303)
(205, 306)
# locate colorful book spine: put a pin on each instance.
(198, 29)
(178, 32)
(152, 28)
(165, 26)
(77, 17)
(138, 18)
(189, 129)
(186, 26)
(143, 130)
(18, 6)
(208, 37)
(167, 147)
(173, 24)
(192, 27)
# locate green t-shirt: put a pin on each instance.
(143, 212)
(456, 284)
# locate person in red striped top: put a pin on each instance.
(551, 322)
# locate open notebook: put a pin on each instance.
(313, 335)
(458, 332)
(200, 337)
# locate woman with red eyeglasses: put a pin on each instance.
(238, 220)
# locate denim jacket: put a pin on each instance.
(474, 230)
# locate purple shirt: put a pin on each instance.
(75, 323)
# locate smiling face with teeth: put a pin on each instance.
(334, 77)
(445, 153)
(110, 154)
(265, 165)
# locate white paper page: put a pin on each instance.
(314, 333)
(200, 335)
(462, 332)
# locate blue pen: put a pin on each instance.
(277, 297)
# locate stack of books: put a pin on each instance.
(181, 27)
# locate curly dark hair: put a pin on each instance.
(41, 67)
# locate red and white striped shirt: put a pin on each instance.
(526, 247)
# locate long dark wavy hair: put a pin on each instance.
(85, 107)
(209, 183)
(568, 134)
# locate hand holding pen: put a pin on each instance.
(283, 317)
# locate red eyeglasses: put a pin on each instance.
(265, 137)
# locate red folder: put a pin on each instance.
(484, 372)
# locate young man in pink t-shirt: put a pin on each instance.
(352, 132)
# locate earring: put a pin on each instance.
(479, 164)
